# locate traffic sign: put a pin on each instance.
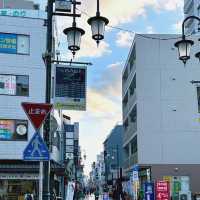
(37, 113)
(36, 150)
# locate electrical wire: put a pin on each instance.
(141, 35)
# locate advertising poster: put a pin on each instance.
(70, 88)
(149, 191)
(8, 43)
(7, 85)
(162, 190)
(7, 128)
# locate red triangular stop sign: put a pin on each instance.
(37, 112)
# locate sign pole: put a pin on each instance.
(41, 181)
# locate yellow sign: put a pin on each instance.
(167, 178)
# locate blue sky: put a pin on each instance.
(104, 77)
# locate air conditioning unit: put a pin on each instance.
(184, 195)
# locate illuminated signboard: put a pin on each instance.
(70, 88)
(13, 130)
(8, 43)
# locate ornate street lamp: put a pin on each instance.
(98, 24)
(74, 38)
(184, 45)
(74, 34)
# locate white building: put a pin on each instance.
(22, 79)
(192, 7)
(160, 111)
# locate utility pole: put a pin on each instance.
(47, 165)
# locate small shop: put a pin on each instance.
(15, 186)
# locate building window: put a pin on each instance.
(16, 85)
(198, 98)
(125, 75)
(126, 124)
(134, 145)
(133, 86)
(132, 57)
(14, 43)
(125, 100)
(13, 130)
(133, 114)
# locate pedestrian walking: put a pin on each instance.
(96, 194)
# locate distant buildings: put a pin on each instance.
(97, 174)
(160, 111)
(113, 153)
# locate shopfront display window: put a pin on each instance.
(17, 189)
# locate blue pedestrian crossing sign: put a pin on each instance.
(36, 150)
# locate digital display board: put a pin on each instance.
(8, 43)
(70, 88)
(13, 130)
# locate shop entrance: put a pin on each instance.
(16, 189)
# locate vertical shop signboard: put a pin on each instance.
(149, 191)
(162, 190)
(176, 189)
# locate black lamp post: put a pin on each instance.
(98, 24)
(184, 45)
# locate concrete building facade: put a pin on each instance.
(22, 79)
(160, 111)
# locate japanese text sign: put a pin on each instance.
(37, 113)
(149, 191)
(162, 190)
(8, 43)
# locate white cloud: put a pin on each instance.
(150, 30)
(122, 11)
(177, 26)
(115, 65)
(124, 39)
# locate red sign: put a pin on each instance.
(37, 113)
(162, 190)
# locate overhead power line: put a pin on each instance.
(141, 35)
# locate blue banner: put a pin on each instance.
(8, 43)
(149, 191)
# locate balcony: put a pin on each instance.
(131, 102)
(129, 132)
(132, 160)
(126, 84)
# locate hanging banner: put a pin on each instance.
(70, 87)
(162, 190)
(149, 191)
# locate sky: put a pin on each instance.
(104, 98)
